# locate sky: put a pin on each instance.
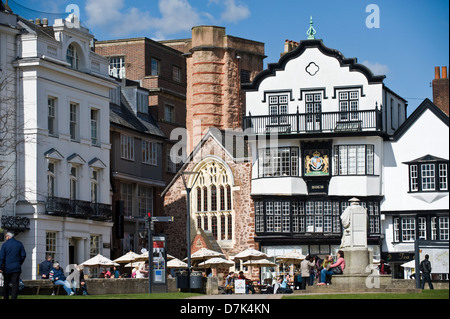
(401, 39)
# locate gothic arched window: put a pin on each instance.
(213, 198)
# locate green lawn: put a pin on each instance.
(426, 294)
(175, 295)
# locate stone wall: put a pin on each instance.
(243, 209)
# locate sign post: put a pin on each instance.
(150, 223)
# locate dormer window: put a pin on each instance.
(73, 57)
(428, 174)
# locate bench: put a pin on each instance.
(35, 287)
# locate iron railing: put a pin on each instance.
(78, 209)
(301, 123)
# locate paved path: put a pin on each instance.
(240, 296)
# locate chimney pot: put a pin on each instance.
(444, 72)
(38, 21)
(437, 73)
(45, 22)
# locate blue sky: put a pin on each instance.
(411, 39)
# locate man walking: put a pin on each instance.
(425, 268)
(12, 256)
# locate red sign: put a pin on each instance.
(158, 244)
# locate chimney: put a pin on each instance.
(440, 89)
(38, 22)
(45, 22)
(437, 72)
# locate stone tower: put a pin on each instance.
(216, 65)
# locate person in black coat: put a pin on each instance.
(45, 267)
(12, 256)
(425, 268)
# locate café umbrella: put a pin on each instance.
(99, 261)
(144, 257)
(250, 255)
(260, 263)
(216, 262)
(176, 263)
(291, 258)
(129, 257)
(204, 254)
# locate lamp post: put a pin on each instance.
(188, 220)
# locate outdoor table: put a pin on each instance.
(259, 287)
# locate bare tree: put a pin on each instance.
(9, 141)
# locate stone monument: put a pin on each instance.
(354, 239)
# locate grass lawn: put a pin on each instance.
(426, 294)
(175, 295)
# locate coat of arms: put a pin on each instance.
(317, 164)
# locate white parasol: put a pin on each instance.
(292, 257)
(176, 263)
(204, 254)
(129, 257)
(260, 263)
(216, 262)
(250, 254)
(99, 261)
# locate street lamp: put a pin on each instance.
(185, 175)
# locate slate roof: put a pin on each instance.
(237, 148)
(124, 116)
(427, 159)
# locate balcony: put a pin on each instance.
(65, 207)
(310, 123)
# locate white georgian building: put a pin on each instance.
(63, 184)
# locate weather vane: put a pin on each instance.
(311, 31)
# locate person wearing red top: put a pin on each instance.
(340, 263)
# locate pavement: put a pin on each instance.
(241, 296)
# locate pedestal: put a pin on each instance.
(357, 260)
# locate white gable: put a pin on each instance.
(427, 135)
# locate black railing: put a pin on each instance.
(297, 123)
(78, 209)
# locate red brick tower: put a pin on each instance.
(216, 65)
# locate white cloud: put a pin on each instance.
(176, 15)
(234, 12)
(376, 68)
(173, 16)
(113, 15)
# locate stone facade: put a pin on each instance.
(242, 208)
(216, 65)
